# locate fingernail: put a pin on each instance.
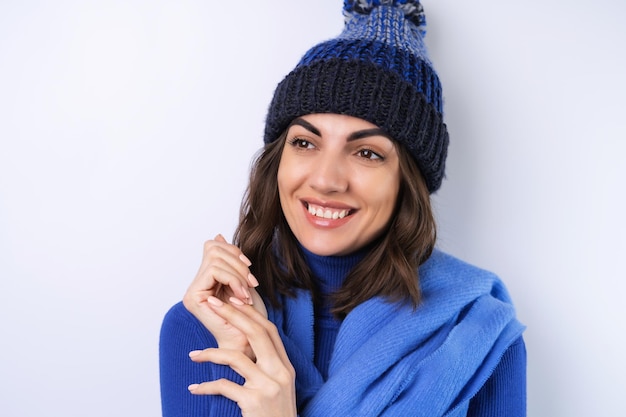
(193, 387)
(236, 301)
(245, 259)
(253, 281)
(194, 353)
(214, 301)
(247, 293)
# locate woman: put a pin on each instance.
(331, 300)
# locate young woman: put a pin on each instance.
(331, 300)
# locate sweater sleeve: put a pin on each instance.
(181, 333)
(504, 393)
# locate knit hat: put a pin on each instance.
(378, 70)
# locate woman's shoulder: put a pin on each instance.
(442, 262)
(179, 314)
(179, 324)
(442, 266)
(444, 275)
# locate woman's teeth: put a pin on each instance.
(327, 213)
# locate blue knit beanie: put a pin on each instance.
(378, 70)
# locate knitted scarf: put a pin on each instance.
(390, 360)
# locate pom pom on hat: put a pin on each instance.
(378, 70)
(413, 10)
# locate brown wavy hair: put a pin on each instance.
(390, 267)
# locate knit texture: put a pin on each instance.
(378, 70)
(428, 362)
(181, 333)
(498, 393)
(329, 274)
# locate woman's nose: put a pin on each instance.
(329, 175)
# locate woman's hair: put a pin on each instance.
(388, 269)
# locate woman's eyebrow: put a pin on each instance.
(308, 126)
(359, 134)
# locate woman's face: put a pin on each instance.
(338, 182)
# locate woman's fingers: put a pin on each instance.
(269, 390)
(263, 339)
(244, 258)
(261, 334)
(269, 399)
(238, 361)
(223, 387)
(224, 274)
(235, 257)
(244, 366)
(223, 264)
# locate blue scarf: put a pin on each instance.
(390, 360)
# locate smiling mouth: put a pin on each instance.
(327, 212)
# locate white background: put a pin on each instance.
(126, 132)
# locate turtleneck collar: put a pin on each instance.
(330, 271)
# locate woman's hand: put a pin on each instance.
(223, 274)
(269, 388)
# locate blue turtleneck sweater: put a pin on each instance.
(503, 394)
(329, 273)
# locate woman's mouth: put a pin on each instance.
(327, 212)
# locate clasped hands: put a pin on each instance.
(223, 298)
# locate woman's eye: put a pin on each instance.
(301, 143)
(369, 154)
